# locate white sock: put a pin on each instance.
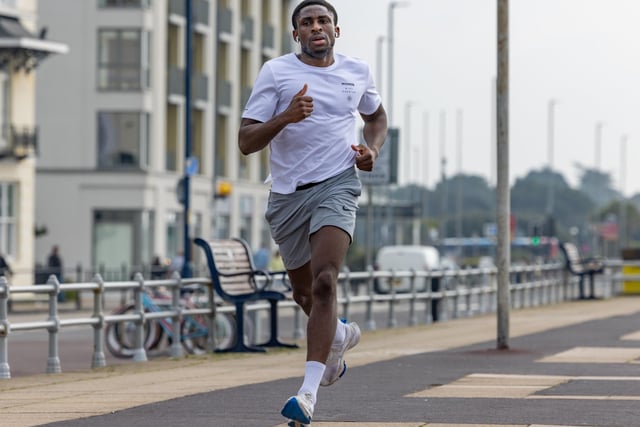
(313, 372)
(341, 333)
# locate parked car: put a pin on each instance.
(404, 258)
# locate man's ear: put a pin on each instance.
(337, 32)
(296, 39)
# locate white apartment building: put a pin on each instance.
(112, 113)
(23, 45)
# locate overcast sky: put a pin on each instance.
(585, 54)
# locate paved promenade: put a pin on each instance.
(571, 364)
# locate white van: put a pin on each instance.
(405, 258)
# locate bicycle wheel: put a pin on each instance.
(226, 330)
(194, 334)
(120, 337)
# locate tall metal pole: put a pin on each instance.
(425, 146)
(550, 151)
(186, 267)
(390, 59)
(622, 228)
(459, 202)
(551, 131)
(370, 241)
(503, 248)
(598, 145)
(379, 42)
(443, 175)
(406, 150)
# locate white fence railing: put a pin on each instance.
(431, 296)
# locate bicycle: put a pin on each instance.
(120, 337)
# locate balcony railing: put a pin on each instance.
(200, 88)
(225, 17)
(201, 12)
(176, 7)
(224, 93)
(199, 84)
(247, 29)
(268, 37)
(19, 141)
(175, 83)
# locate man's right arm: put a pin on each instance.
(254, 135)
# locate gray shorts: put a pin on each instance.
(294, 217)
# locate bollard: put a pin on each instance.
(5, 328)
(211, 342)
(176, 320)
(346, 290)
(53, 362)
(412, 302)
(392, 322)
(298, 332)
(435, 302)
(370, 323)
(99, 359)
(139, 353)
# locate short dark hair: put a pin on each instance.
(305, 3)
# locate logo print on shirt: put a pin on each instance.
(348, 89)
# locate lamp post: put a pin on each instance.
(550, 140)
(392, 6)
(186, 266)
(406, 151)
(379, 41)
(551, 130)
(622, 226)
(598, 144)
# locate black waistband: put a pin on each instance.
(309, 185)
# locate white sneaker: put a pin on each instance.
(335, 365)
(299, 410)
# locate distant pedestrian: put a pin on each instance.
(177, 262)
(158, 268)
(5, 268)
(54, 263)
(55, 267)
(276, 263)
(261, 259)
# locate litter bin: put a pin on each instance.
(631, 267)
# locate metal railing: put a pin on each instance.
(443, 295)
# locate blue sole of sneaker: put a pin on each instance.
(344, 369)
(292, 411)
(297, 424)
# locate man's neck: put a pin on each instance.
(324, 61)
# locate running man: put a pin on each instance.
(304, 107)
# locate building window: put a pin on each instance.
(123, 140)
(123, 59)
(8, 218)
(124, 3)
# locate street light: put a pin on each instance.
(379, 41)
(392, 6)
(551, 130)
(551, 137)
(599, 126)
(622, 226)
(406, 151)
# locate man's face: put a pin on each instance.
(316, 31)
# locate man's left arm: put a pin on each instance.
(375, 133)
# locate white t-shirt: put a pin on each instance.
(318, 147)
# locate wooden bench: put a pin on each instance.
(237, 281)
(581, 267)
